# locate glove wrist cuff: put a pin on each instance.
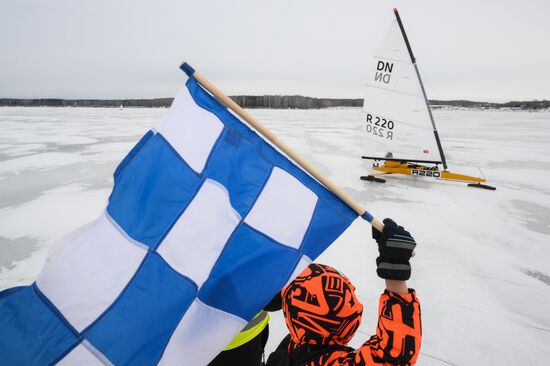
(393, 271)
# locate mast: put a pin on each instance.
(413, 60)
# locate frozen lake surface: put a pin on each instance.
(482, 270)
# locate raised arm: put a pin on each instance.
(398, 334)
(399, 331)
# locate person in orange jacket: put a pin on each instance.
(322, 312)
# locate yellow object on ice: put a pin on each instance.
(406, 168)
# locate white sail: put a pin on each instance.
(396, 117)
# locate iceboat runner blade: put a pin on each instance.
(482, 186)
(372, 178)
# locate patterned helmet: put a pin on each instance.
(320, 307)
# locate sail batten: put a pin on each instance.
(394, 91)
(386, 58)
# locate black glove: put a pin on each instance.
(395, 245)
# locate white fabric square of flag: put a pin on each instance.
(205, 224)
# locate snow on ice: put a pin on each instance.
(482, 267)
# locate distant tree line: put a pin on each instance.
(528, 105)
(292, 102)
(50, 102)
(261, 101)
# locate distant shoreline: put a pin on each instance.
(263, 101)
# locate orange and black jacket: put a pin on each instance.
(397, 340)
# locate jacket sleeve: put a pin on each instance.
(398, 335)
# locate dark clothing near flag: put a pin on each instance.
(250, 354)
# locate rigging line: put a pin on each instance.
(436, 133)
(481, 172)
(429, 83)
(413, 60)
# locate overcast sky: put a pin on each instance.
(473, 49)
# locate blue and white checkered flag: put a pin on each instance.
(206, 222)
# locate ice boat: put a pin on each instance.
(398, 120)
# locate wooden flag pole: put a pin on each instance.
(304, 164)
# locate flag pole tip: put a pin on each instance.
(367, 216)
(188, 69)
(395, 9)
